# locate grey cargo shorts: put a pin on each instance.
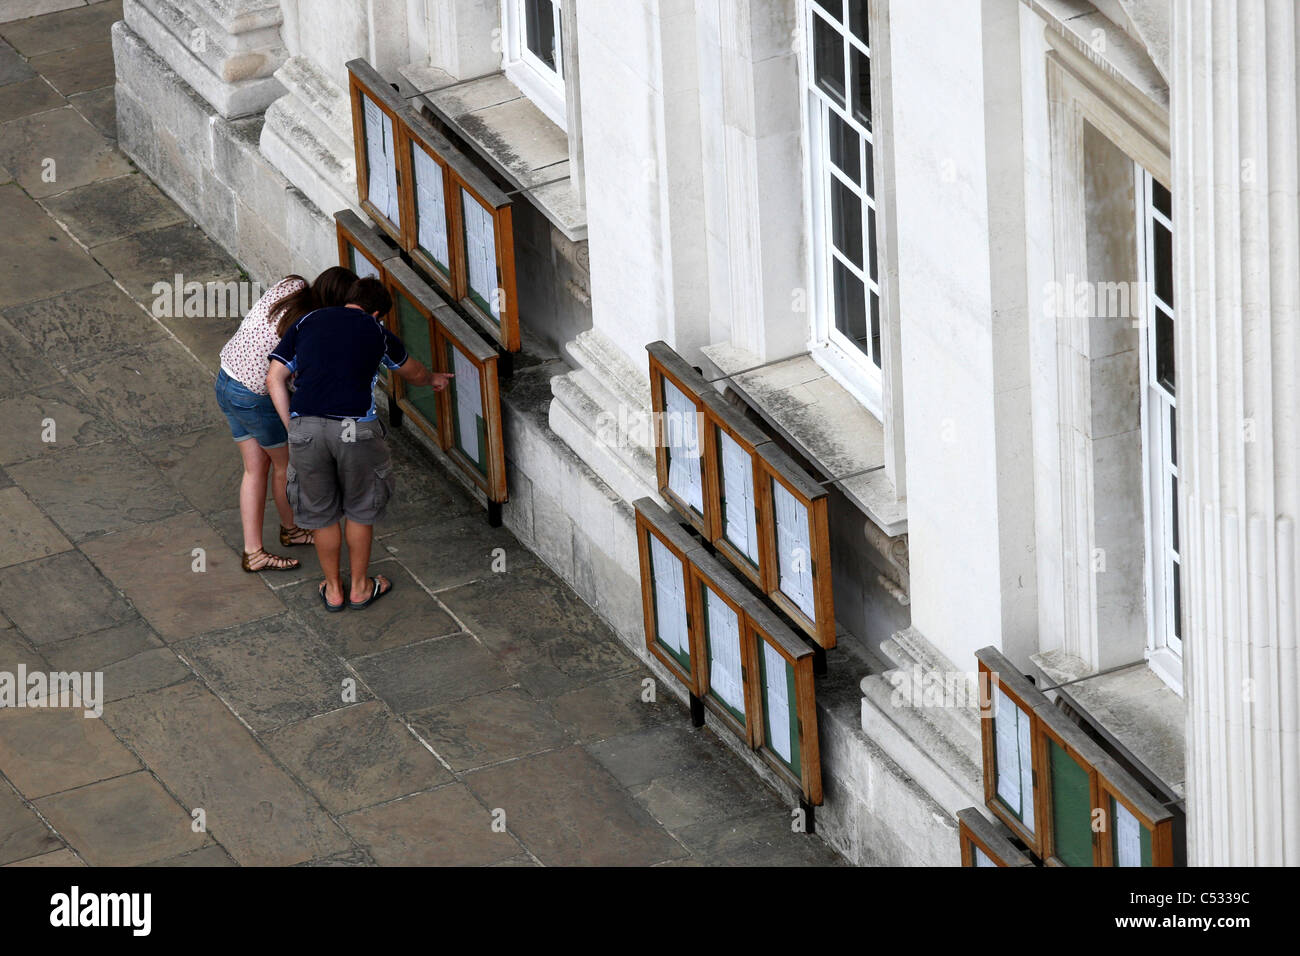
(338, 469)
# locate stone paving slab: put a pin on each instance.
(114, 208)
(204, 466)
(26, 98)
(148, 670)
(46, 750)
(99, 489)
(432, 673)
(59, 858)
(451, 552)
(100, 108)
(102, 648)
(22, 368)
(37, 259)
(60, 597)
(25, 533)
(13, 68)
(79, 69)
(79, 153)
(58, 31)
(357, 757)
(126, 821)
(157, 255)
(153, 565)
(489, 728)
(22, 833)
(26, 420)
(445, 827)
(74, 329)
(254, 809)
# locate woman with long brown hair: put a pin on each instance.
(254, 423)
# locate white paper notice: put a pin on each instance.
(430, 206)
(681, 432)
(481, 251)
(1128, 837)
(778, 703)
(469, 404)
(376, 165)
(794, 551)
(363, 267)
(982, 858)
(393, 211)
(1025, 752)
(724, 651)
(1006, 735)
(670, 597)
(738, 490)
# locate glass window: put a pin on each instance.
(542, 32)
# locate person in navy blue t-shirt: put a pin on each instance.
(339, 465)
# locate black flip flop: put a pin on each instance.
(375, 595)
(332, 608)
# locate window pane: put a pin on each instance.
(845, 146)
(539, 22)
(828, 59)
(875, 329)
(1165, 350)
(1161, 200)
(858, 20)
(871, 240)
(1164, 264)
(871, 172)
(1173, 437)
(850, 305)
(846, 221)
(834, 7)
(861, 88)
(1178, 601)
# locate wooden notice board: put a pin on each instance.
(471, 427)
(665, 550)
(732, 442)
(986, 844)
(414, 304)
(786, 696)
(718, 609)
(795, 532)
(1013, 776)
(378, 113)
(681, 459)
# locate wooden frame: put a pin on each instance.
(358, 241)
(653, 522)
(1157, 821)
(365, 84)
(708, 575)
(976, 834)
(417, 135)
(996, 671)
(467, 183)
(1051, 729)
(774, 470)
(721, 421)
(765, 631)
(405, 286)
(669, 368)
(454, 338)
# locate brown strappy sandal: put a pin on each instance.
(274, 562)
(295, 536)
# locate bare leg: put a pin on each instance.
(329, 542)
(279, 483)
(252, 493)
(359, 538)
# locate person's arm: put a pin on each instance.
(277, 384)
(414, 372)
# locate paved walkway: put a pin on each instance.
(480, 697)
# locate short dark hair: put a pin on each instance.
(370, 294)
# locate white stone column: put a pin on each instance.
(1237, 292)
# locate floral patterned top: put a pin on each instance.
(245, 358)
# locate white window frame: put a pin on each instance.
(544, 86)
(848, 365)
(1164, 649)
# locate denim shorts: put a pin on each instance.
(250, 415)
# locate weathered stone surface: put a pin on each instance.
(22, 833)
(206, 757)
(60, 597)
(404, 616)
(79, 328)
(27, 98)
(207, 856)
(37, 259)
(568, 812)
(149, 670)
(446, 827)
(153, 564)
(46, 750)
(79, 153)
(357, 757)
(489, 728)
(25, 533)
(158, 255)
(206, 468)
(97, 489)
(613, 707)
(63, 414)
(127, 821)
(76, 70)
(59, 858)
(96, 651)
(434, 672)
(13, 69)
(444, 554)
(59, 31)
(113, 208)
(272, 672)
(100, 108)
(22, 368)
(152, 392)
